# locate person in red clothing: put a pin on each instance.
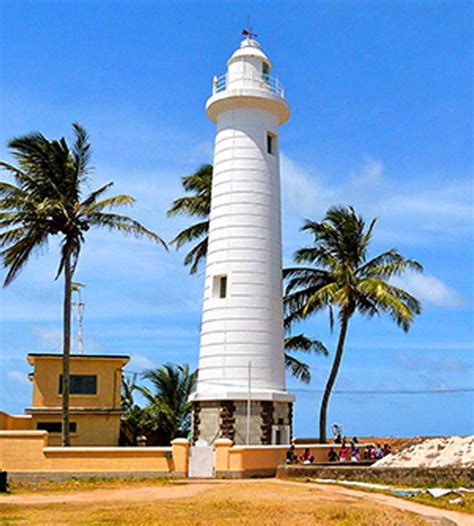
(307, 457)
(344, 454)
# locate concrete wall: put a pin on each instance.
(15, 422)
(28, 451)
(91, 429)
(243, 461)
(437, 477)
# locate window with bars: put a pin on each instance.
(85, 384)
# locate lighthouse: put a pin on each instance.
(241, 391)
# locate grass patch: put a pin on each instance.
(241, 504)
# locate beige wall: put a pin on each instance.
(12, 422)
(92, 429)
(46, 381)
(27, 451)
(249, 460)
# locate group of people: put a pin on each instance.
(347, 453)
(352, 452)
(305, 458)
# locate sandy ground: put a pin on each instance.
(189, 489)
(433, 452)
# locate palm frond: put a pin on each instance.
(125, 225)
(301, 371)
(300, 342)
(81, 153)
(196, 255)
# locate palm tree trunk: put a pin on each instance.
(332, 378)
(66, 441)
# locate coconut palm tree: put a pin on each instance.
(198, 204)
(169, 403)
(46, 199)
(338, 276)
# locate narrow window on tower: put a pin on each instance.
(265, 71)
(220, 287)
(223, 287)
(271, 143)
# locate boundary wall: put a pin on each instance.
(26, 455)
(248, 461)
(431, 477)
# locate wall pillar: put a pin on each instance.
(222, 458)
(180, 454)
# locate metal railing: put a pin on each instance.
(263, 82)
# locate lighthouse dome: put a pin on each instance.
(249, 47)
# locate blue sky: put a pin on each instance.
(382, 118)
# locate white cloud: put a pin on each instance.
(48, 338)
(304, 191)
(370, 173)
(415, 362)
(410, 211)
(140, 362)
(18, 378)
(428, 288)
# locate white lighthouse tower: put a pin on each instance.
(241, 381)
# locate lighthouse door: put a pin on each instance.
(201, 461)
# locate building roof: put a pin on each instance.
(31, 357)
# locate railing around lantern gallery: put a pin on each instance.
(262, 81)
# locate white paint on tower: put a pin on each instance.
(242, 319)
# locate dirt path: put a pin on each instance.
(461, 519)
(195, 487)
(130, 494)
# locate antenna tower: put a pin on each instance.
(78, 314)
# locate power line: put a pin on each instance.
(390, 392)
(455, 390)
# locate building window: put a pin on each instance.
(223, 287)
(82, 384)
(265, 71)
(271, 143)
(55, 427)
(220, 287)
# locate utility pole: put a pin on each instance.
(249, 403)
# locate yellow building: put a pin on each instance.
(95, 403)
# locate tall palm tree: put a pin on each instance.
(170, 401)
(46, 199)
(198, 204)
(338, 276)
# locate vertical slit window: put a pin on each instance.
(271, 143)
(223, 287)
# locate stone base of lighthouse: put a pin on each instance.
(270, 422)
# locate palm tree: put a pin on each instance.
(46, 199)
(198, 204)
(170, 402)
(339, 277)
